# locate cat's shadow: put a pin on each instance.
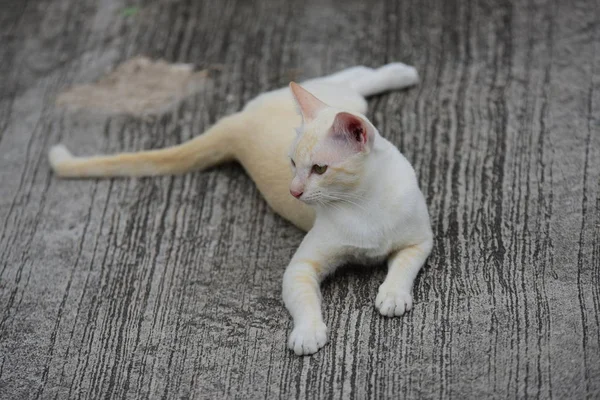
(363, 281)
(360, 280)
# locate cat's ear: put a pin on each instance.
(308, 104)
(353, 130)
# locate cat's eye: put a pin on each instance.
(293, 163)
(319, 169)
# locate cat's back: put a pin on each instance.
(271, 118)
(335, 95)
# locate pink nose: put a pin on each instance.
(296, 194)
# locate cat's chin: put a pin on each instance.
(314, 202)
(317, 204)
(310, 202)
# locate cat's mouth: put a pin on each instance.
(315, 199)
(309, 199)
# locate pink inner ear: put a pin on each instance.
(352, 127)
(309, 104)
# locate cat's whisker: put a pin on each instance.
(361, 195)
(331, 201)
(356, 204)
(323, 196)
(349, 195)
(344, 200)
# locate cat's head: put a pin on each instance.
(328, 156)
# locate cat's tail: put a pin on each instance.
(213, 147)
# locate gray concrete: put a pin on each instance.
(170, 287)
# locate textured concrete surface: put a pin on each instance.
(170, 287)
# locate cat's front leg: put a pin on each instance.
(395, 293)
(302, 297)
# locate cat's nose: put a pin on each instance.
(295, 193)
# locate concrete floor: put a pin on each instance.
(170, 287)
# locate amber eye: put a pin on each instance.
(319, 169)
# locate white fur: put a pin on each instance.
(383, 217)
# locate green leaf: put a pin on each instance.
(130, 11)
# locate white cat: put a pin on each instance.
(349, 187)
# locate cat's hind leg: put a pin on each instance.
(349, 75)
(395, 293)
(392, 76)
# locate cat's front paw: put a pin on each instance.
(393, 303)
(307, 339)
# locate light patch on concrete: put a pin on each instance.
(139, 86)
